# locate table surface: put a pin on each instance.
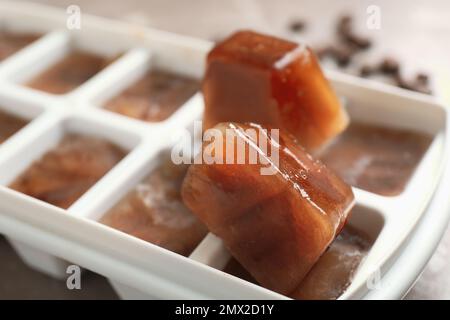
(423, 27)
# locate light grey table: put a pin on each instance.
(417, 32)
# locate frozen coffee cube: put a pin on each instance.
(332, 274)
(70, 72)
(154, 97)
(334, 271)
(276, 222)
(9, 125)
(376, 158)
(252, 77)
(154, 211)
(11, 42)
(66, 172)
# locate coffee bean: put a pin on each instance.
(422, 78)
(366, 70)
(341, 54)
(361, 43)
(349, 43)
(344, 25)
(389, 66)
(297, 26)
(412, 85)
(344, 30)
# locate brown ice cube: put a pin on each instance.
(9, 125)
(155, 97)
(70, 72)
(153, 211)
(375, 158)
(276, 225)
(333, 272)
(257, 78)
(11, 42)
(234, 268)
(66, 172)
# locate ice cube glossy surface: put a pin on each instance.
(11, 42)
(153, 211)
(154, 97)
(66, 172)
(256, 78)
(9, 125)
(276, 226)
(375, 158)
(70, 72)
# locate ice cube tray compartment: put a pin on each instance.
(122, 74)
(43, 135)
(138, 269)
(130, 69)
(54, 48)
(26, 112)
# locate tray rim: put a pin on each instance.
(369, 83)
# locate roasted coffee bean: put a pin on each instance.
(361, 43)
(341, 54)
(412, 85)
(344, 25)
(344, 30)
(389, 66)
(297, 26)
(349, 43)
(422, 78)
(366, 70)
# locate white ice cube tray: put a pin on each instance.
(46, 236)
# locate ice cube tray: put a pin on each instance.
(46, 236)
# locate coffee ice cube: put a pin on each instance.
(154, 97)
(276, 225)
(334, 271)
(154, 211)
(332, 274)
(71, 71)
(257, 78)
(66, 172)
(9, 125)
(376, 158)
(11, 42)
